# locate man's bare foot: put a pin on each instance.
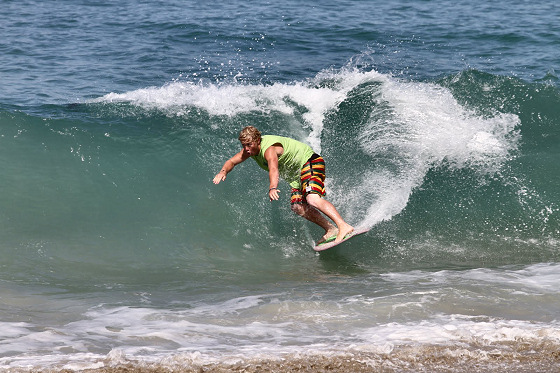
(343, 232)
(332, 232)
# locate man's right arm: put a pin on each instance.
(228, 166)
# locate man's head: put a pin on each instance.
(250, 134)
(250, 138)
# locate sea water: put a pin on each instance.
(439, 122)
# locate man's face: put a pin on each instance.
(250, 148)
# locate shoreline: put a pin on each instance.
(524, 357)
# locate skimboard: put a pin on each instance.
(330, 243)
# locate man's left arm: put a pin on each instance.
(271, 156)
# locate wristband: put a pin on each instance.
(271, 189)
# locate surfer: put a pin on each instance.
(300, 166)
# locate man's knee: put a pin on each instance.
(298, 208)
(313, 199)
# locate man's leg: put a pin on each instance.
(313, 175)
(317, 202)
(314, 216)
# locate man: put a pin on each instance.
(296, 163)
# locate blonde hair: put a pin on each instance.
(249, 134)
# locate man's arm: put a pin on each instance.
(271, 155)
(228, 166)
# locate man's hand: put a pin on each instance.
(273, 194)
(221, 176)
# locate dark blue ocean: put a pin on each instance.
(440, 125)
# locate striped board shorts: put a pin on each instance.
(312, 180)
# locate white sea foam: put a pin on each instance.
(388, 310)
(451, 329)
(427, 127)
(194, 344)
(233, 99)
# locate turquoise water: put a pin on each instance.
(439, 125)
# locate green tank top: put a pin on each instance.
(290, 162)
